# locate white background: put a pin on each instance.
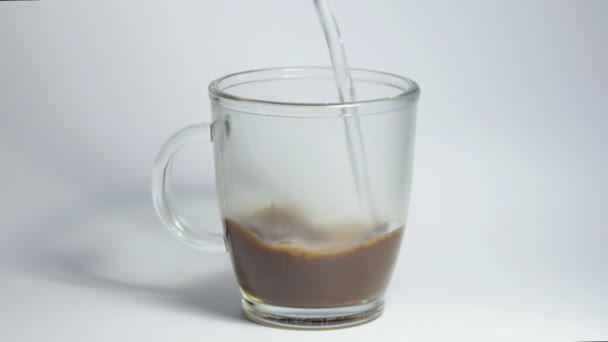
(508, 231)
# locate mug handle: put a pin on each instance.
(161, 191)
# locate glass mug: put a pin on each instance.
(313, 193)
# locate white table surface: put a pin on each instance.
(105, 270)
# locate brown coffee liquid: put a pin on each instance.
(280, 259)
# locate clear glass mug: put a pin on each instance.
(314, 193)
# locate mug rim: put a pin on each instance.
(410, 94)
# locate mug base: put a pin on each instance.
(313, 319)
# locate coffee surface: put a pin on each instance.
(282, 259)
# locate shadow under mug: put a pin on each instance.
(314, 193)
